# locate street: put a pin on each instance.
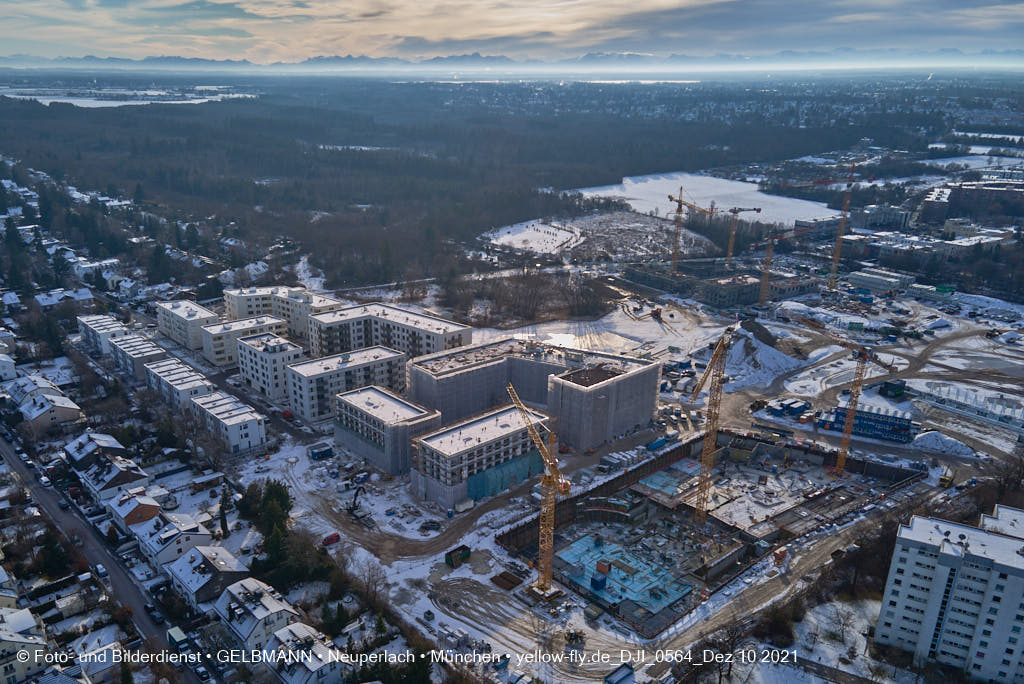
(95, 551)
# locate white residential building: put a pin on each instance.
(367, 325)
(312, 385)
(131, 353)
(98, 330)
(478, 457)
(169, 536)
(299, 654)
(239, 425)
(252, 611)
(294, 304)
(177, 382)
(220, 340)
(378, 426)
(183, 320)
(262, 360)
(955, 595)
(21, 632)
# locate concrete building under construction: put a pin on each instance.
(595, 397)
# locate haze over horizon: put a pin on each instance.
(267, 31)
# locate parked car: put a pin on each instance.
(101, 571)
(64, 505)
(45, 481)
(202, 673)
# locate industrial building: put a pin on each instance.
(313, 385)
(176, 382)
(263, 360)
(368, 325)
(874, 422)
(220, 340)
(239, 425)
(595, 397)
(183, 320)
(476, 458)
(378, 426)
(954, 595)
(293, 304)
(131, 353)
(737, 290)
(97, 331)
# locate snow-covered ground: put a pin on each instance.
(309, 276)
(818, 638)
(534, 236)
(647, 193)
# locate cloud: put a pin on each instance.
(292, 30)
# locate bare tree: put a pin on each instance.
(1009, 476)
(812, 639)
(374, 582)
(844, 619)
(731, 639)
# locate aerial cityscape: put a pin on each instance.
(486, 343)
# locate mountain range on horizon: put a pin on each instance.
(944, 57)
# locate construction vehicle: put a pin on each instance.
(713, 378)
(863, 355)
(735, 211)
(353, 505)
(680, 203)
(947, 478)
(552, 483)
(842, 230)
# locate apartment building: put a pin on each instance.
(955, 595)
(368, 325)
(313, 385)
(240, 426)
(378, 426)
(293, 304)
(220, 340)
(131, 353)
(98, 330)
(176, 382)
(476, 458)
(262, 361)
(183, 321)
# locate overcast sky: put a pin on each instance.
(293, 30)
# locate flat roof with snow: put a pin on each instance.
(413, 319)
(177, 374)
(460, 358)
(101, 323)
(186, 308)
(269, 342)
(963, 540)
(137, 345)
(226, 408)
(242, 324)
(352, 359)
(295, 294)
(497, 424)
(385, 406)
(1004, 520)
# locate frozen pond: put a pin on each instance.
(645, 193)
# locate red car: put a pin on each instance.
(332, 538)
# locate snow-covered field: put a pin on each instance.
(534, 236)
(647, 193)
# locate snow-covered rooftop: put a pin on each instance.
(963, 540)
(226, 408)
(490, 426)
(186, 308)
(393, 314)
(269, 342)
(136, 346)
(352, 359)
(381, 404)
(242, 324)
(1004, 520)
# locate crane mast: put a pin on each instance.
(552, 483)
(713, 378)
(837, 249)
(680, 203)
(864, 355)
(735, 211)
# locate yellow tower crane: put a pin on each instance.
(863, 356)
(552, 483)
(713, 378)
(680, 203)
(837, 249)
(735, 211)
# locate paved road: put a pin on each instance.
(95, 551)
